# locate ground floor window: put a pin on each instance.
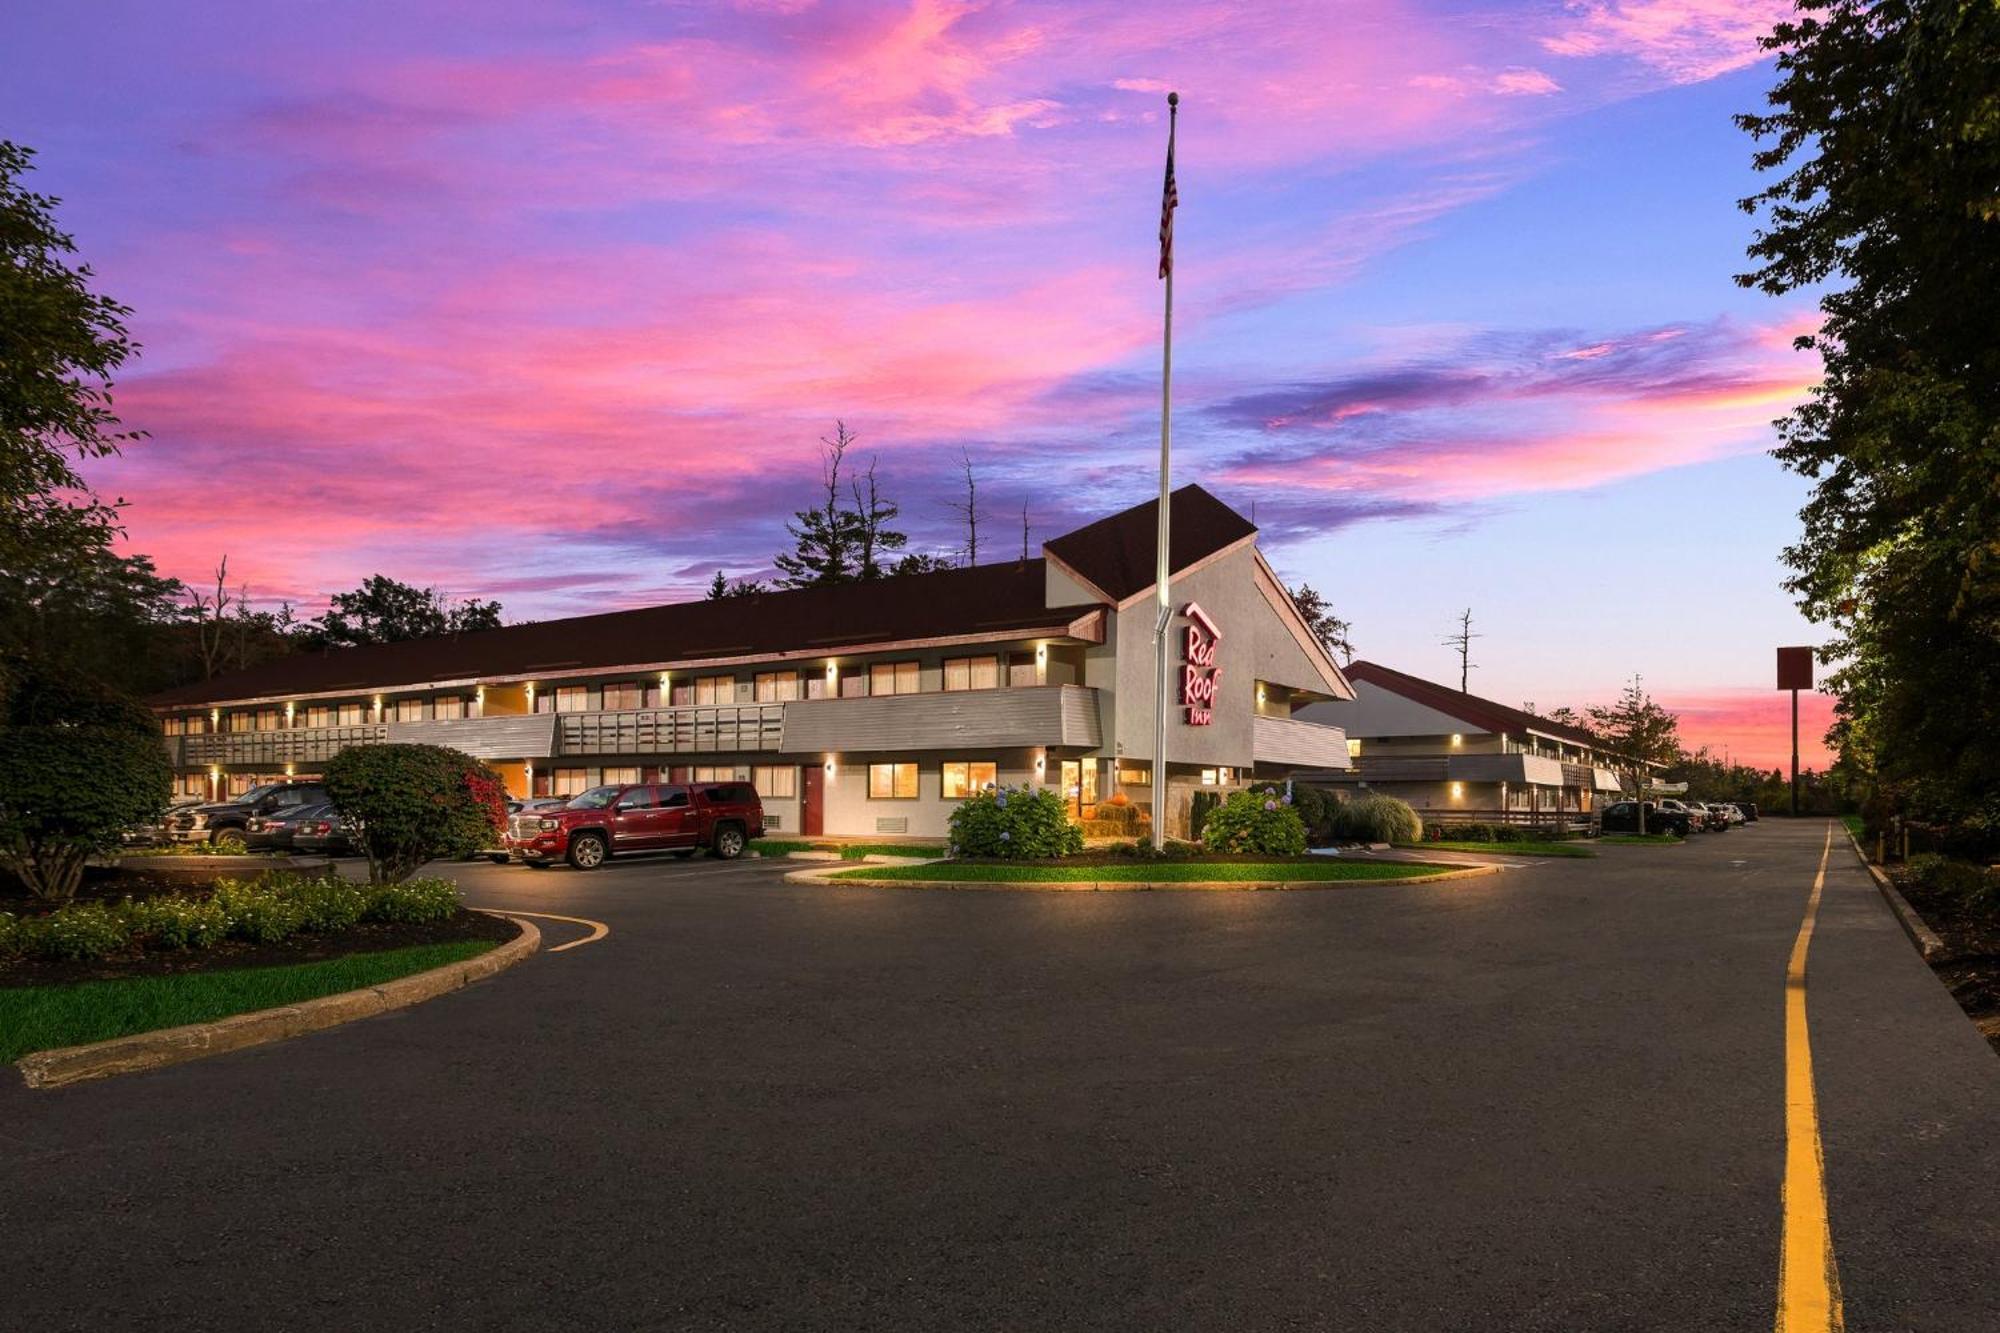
(892, 782)
(968, 777)
(1129, 776)
(1217, 777)
(194, 784)
(722, 773)
(571, 782)
(776, 783)
(1079, 784)
(620, 776)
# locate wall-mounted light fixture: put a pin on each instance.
(215, 717)
(290, 711)
(1260, 694)
(1457, 740)
(1041, 654)
(1457, 790)
(1041, 763)
(829, 758)
(291, 770)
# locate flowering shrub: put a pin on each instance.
(1258, 820)
(262, 912)
(1014, 824)
(410, 804)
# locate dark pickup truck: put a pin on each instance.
(1624, 818)
(681, 817)
(226, 824)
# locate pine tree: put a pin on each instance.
(826, 542)
(1640, 734)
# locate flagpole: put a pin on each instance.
(1161, 570)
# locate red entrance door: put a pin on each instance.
(812, 801)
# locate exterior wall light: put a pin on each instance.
(291, 711)
(1260, 694)
(215, 718)
(829, 758)
(1041, 764)
(1457, 740)
(1041, 654)
(1457, 791)
(291, 770)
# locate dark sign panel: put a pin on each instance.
(1795, 668)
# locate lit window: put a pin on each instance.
(1135, 777)
(722, 773)
(624, 696)
(775, 686)
(892, 678)
(449, 707)
(1353, 748)
(241, 721)
(353, 715)
(713, 690)
(409, 710)
(968, 778)
(175, 726)
(776, 783)
(569, 781)
(971, 673)
(319, 715)
(619, 777)
(892, 782)
(196, 726)
(572, 698)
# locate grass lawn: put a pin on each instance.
(1853, 824)
(1635, 840)
(36, 1018)
(1162, 872)
(849, 851)
(1528, 848)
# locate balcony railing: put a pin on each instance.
(273, 749)
(696, 729)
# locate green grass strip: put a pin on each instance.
(1634, 840)
(1528, 848)
(37, 1018)
(849, 851)
(1853, 824)
(1161, 872)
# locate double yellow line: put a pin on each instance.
(1808, 1279)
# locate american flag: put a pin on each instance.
(1169, 201)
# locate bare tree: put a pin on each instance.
(968, 509)
(1024, 531)
(211, 629)
(875, 539)
(1462, 641)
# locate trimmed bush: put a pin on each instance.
(1316, 806)
(175, 922)
(1376, 819)
(412, 804)
(1200, 806)
(1259, 820)
(1014, 824)
(76, 767)
(1950, 878)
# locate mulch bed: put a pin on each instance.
(1098, 857)
(1970, 968)
(109, 885)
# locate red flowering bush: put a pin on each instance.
(409, 804)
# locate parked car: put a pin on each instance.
(721, 817)
(225, 823)
(320, 832)
(1749, 809)
(159, 830)
(1735, 815)
(1708, 818)
(1623, 817)
(274, 832)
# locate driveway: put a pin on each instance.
(1552, 1098)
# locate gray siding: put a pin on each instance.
(517, 736)
(1062, 716)
(1284, 740)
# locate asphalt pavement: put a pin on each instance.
(1551, 1098)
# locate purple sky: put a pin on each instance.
(551, 301)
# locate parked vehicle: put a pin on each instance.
(226, 823)
(721, 817)
(1735, 815)
(274, 832)
(160, 830)
(320, 832)
(1708, 818)
(1623, 817)
(1749, 809)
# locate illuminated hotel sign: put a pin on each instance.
(1199, 673)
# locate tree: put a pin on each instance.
(1334, 634)
(922, 562)
(383, 610)
(825, 540)
(60, 342)
(77, 765)
(968, 509)
(1462, 642)
(1640, 735)
(1884, 132)
(875, 538)
(720, 587)
(410, 804)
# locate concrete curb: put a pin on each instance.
(827, 877)
(1927, 941)
(172, 1046)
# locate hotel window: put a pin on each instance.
(1021, 671)
(1353, 748)
(615, 777)
(319, 715)
(241, 782)
(622, 696)
(1134, 777)
(240, 721)
(721, 773)
(854, 685)
(892, 782)
(892, 678)
(572, 699)
(963, 778)
(448, 707)
(197, 726)
(194, 784)
(353, 715)
(971, 673)
(174, 726)
(774, 686)
(409, 710)
(775, 784)
(707, 690)
(570, 782)
(816, 686)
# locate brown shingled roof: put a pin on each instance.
(1118, 553)
(986, 599)
(1483, 714)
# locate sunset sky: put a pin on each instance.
(550, 301)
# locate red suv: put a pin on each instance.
(679, 817)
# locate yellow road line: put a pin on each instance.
(598, 930)
(1808, 1279)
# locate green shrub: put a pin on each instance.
(327, 905)
(76, 766)
(1376, 819)
(1949, 878)
(260, 913)
(413, 901)
(1316, 806)
(1258, 820)
(411, 804)
(175, 921)
(79, 932)
(1014, 824)
(1510, 833)
(1200, 807)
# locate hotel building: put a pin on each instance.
(862, 709)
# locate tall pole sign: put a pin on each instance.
(1795, 673)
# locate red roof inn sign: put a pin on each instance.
(1199, 673)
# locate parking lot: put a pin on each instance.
(1547, 1099)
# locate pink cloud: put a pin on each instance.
(1686, 40)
